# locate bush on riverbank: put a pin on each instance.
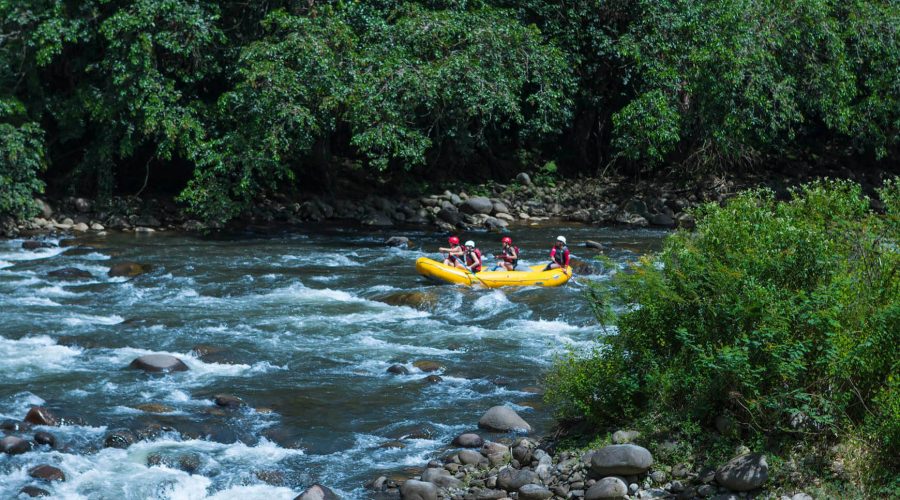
(782, 317)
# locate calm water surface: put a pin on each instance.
(302, 326)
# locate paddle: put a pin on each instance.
(466, 268)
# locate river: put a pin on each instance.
(302, 326)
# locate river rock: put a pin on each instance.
(440, 477)
(433, 379)
(624, 437)
(159, 363)
(449, 215)
(470, 457)
(121, 439)
(398, 370)
(127, 269)
(398, 241)
(81, 227)
(427, 366)
(36, 244)
(510, 479)
(318, 492)
(154, 408)
(43, 437)
(620, 459)
(468, 440)
(477, 205)
(499, 208)
(662, 220)
(47, 473)
(534, 492)
(608, 487)
(96, 226)
(70, 273)
(12, 445)
(418, 490)
(378, 219)
(34, 491)
(524, 179)
(228, 401)
(38, 415)
(744, 473)
(503, 419)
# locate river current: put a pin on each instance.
(301, 326)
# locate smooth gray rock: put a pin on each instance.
(608, 487)
(159, 363)
(70, 273)
(318, 492)
(524, 179)
(499, 208)
(398, 370)
(534, 492)
(503, 419)
(468, 440)
(397, 241)
(418, 490)
(662, 220)
(744, 473)
(510, 479)
(623, 459)
(47, 473)
(477, 205)
(440, 477)
(470, 457)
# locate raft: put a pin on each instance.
(536, 276)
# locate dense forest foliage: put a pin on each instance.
(231, 99)
(781, 319)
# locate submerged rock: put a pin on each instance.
(228, 401)
(398, 241)
(154, 408)
(427, 366)
(159, 363)
(34, 491)
(42, 437)
(36, 244)
(121, 439)
(70, 273)
(127, 269)
(503, 419)
(398, 370)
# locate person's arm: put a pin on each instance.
(566, 257)
(476, 261)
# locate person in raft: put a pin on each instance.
(559, 255)
(454, 253)
(509, 255)
(473, 257)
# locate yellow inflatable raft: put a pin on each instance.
(536, 276)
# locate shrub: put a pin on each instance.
(784, 315)
(21, 159)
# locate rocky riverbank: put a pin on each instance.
(520, 468)
(492, 206)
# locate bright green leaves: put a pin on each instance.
(21, 161)
(648, 128)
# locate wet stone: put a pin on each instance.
(12, 445)
(127, 269)
(428, 366)
(159, 363)
(468, 440)
(154, 408)
(70, 273)
(38, 415)
(273, 477)
(433, 379)
(45, 438)
(398, 370)
(119, 439)
(34, 491)
(228, 401)
(318, 492)
(14, 426)
(47, 473)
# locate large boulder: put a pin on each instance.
(524, 179)
(534, 492)
(449, 215)
(477, 205)
(159, 363)
(499, 208)
(418, 490)
(468, 440)
(440, 477)
(38, 415)
(510, 479)
(503, 419)
(47, 473)
(744, 473)
(127, 269)
(12, 445)
(608, 487)
(471, 457)
(620, 459)
(318, 492)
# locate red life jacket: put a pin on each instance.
(470, 260)
(511, 252)
(560, 255)
(452, 258)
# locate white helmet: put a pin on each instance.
(562, 239)
(470, 244)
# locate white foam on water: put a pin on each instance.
(4, 264)
(494, 301)
(34, 356)
(254, 491)
(55, 291)
(94, 256)
(24, 255)
(88, 319)
(35, 301)
(372, 342)
(323, 260)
